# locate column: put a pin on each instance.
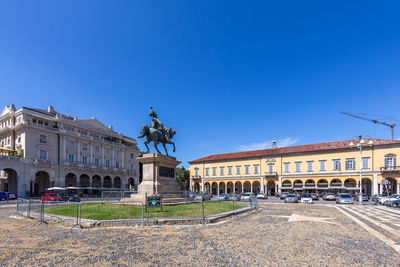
(262, 185)
(251, 187)
(380, 189)
(202, 185)
(279, 185)
(102, 155)
(112, 159)
(276, 189)
(398, 188)
(79, 152)
(64, 149)
(218, 188)
(91, 153)
(122, 158)
(235, 188)
(226, 188)
(242, 188)
(374, 184)
(191, 184)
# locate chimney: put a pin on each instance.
(274, 144)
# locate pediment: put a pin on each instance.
(93, 123)
(5, 111)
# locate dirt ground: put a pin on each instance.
(284, 235)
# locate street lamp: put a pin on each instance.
(360, 144)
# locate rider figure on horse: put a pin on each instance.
(157, 124)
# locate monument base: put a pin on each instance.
(159, 174)
(159, 177)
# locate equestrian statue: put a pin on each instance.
(157, 133)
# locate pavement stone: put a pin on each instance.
(265, 238)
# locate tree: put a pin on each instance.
(183, 177)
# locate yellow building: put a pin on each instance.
(323, 167)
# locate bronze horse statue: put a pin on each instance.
(157, 136)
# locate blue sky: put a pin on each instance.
(227, 75)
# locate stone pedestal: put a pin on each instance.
(159, 176)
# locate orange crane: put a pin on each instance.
(391, 125)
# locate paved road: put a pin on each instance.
(281, 234)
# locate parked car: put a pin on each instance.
(365, 197)
(202, 196)
(69, 197)
(246, 197)
(388, 199)
(49, 197)
(192, 194)
(11, 195)
(223, 197)
(283, 195)
(330, 196)
(376, 197)
(262, 196)
(198, 197)
(234, 197)
(314, 196)
(3, 196)
(344, 199)
(396, 203)
(306, 198)
(291, 198)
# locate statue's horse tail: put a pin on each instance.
(145, 131)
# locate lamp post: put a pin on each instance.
(360, 144)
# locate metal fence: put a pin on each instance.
(112, 212)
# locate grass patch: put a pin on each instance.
(111, 211)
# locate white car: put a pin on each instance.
(11, 195)
(382, 200)
(306, 198)
(262, 196)
(246, 197)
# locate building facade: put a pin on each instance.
(324, 167)
(43, 148)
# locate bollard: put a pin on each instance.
(80, 209)
(28, 212)
(41, 211)
(202, 211)
(77, 214)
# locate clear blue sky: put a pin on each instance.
(227, 75)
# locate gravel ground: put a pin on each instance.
(261, 239)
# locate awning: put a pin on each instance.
(55, 188)
(73, 187)
(6, 150)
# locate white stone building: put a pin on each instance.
(43, 148)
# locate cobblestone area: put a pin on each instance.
(262, 239)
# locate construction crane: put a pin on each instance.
(391, 125)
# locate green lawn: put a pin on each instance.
(107, 211)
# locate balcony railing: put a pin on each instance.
(43, 161)
(271, 174)
(390, 169)
(13, 158)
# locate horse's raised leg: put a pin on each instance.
(172, 143)
(145, 143)
(166, 152)
(155, 145)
